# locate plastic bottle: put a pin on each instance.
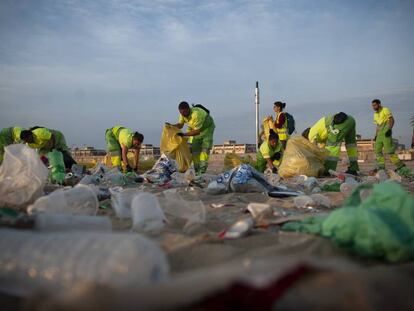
(121, 200)
(57, 166)
(147, 215)
(59, 260)
(64, 222)
(80, 200)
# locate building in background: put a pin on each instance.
(230, 146)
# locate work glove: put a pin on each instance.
(128, 168)
(180, 134)
(277, 156)
(388, 133)
(274, 170)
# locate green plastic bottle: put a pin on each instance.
(57, 166)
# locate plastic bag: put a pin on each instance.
(79, 200)
(301, 157)
(175, 147)
(232, 160)
(57, 166)
(162, 170)
(268, 124)
(22, 176)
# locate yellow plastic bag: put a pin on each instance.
(175, 147)
(301, 157)
(231, 160)
(268, 124)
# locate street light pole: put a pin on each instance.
(257, 100)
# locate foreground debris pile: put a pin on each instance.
(171, 239)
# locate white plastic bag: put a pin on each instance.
(22, 176)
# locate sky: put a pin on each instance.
(84, 66)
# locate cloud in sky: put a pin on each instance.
(84, 66)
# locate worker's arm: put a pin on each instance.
(391, 122)
(124, 155)
(192, 133)
(137, 151)
(50, 144)
(270, 163)
(179, 125)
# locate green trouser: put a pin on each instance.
(113, 148)
(6, 138)
(345, 131)
(386, 143)
(201, 146)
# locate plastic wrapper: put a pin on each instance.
(162, 170)
(175, 147)
(301, 157)
(22, 176)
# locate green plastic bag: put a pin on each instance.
(57, 166)
(380, 227)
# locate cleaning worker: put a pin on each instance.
(270, 153)
(8, 136)
(200, 130)
(45, 140)
(331, 131)
(118, 141)
(281, 122)
(384, 121)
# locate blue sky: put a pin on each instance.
(84, 66)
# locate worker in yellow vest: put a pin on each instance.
(45, 140)
(9, 136)
(330, 132)
(118, 141)
(200, 130)
(384, 122)
(281, 122)
(270, 153)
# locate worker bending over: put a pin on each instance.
(8, 136)
(200, 130)
(45, 140)
(118, 141)
(331, 131)
(270, 153)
